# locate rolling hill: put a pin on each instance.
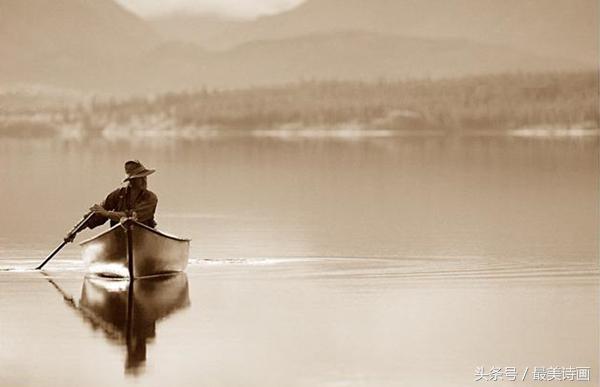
(558, 28)
(368, 56)
(75, 43)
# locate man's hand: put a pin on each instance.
(98, 209)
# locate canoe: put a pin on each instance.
(127, 311)
(135, 250)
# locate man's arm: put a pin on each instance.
(109, 214)
(102, 212)
(145, 208)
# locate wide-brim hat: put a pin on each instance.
(135, 169)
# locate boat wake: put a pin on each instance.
(251, 261)
(388, 269)
(29, 265)
(407, 269)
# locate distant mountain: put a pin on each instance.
(95, 45)
(207, 30)
(79, 43)
(559, 28)
(348, 55)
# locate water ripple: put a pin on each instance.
(404, 269)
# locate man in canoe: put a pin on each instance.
(135, 200)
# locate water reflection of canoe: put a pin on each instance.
(128, 311)
(136, 250)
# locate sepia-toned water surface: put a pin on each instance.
(393, 261)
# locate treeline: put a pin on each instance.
(484, 102)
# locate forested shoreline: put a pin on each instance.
(492, 102)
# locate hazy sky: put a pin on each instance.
(228, 8)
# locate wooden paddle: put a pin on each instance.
(73, 232)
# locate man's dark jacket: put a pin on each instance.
(144, 205)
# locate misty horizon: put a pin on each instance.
(108, 49)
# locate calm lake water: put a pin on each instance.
(315, 262)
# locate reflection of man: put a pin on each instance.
(131, 201)
(132, 312)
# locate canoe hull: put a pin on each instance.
(153, 252)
